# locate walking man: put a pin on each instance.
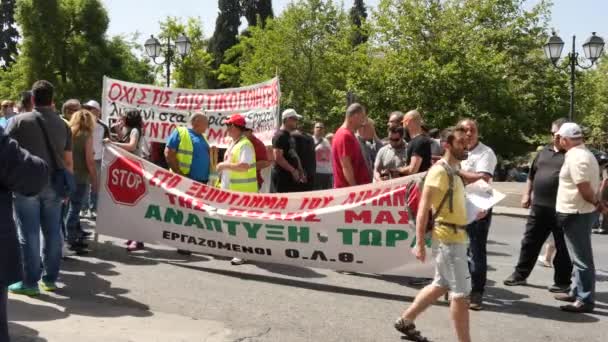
(238, 171)
(41, 212)
(348, 163)
(480, 164)
(577, 203)
(451, 270)
(540, 196)
(323, 158)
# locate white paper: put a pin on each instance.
(480, 196)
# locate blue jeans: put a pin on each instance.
(478, 256)
(33, 214)
(93, 195)
(72, 221)
(577, 231)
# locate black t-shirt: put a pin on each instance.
(305, 148)
(544, 174)
(420, 146)
(281, 180)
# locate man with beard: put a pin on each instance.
(442, 185)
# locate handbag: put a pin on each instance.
(62, 180)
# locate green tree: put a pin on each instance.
(309, 47)
(358, 15)
(453, 59)
(592, 103)
(254, 9)
(194, 70)
(8, 33)
(64, 42)
(226, 30)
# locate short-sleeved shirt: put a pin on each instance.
(282, 179)
(247, 155)
(438, 178)
(345, 143)
(420, 146)
(579, 166)
(390, 158)
(544, 175)
(260, 155)
(305, 147)
(481, 159)
(199, 169)
(25, 129)
(323, 155)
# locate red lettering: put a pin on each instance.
(194, 188)
(143, 94)
(171, 198)
(112, 94)
(384, 217)
(365, 216)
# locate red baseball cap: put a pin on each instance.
(237, 120)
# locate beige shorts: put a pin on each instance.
(452, 269)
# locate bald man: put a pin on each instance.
(419, 157)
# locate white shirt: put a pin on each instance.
(579, 166)
(323, 156)
(247, 156)
(481, 159)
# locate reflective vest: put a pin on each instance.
(243, 181)
(185, 150)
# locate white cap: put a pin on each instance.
(290, 113)
(570, 130)
(92, 104)
(249, 123)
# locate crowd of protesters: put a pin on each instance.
(54, 162)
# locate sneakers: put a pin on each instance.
(476, 301)
(135, 246)
(578, 307)
(47, 286)
(20, 289)
(238, 261)
(513, 280)
(66, 251)
(565, 297)
(408, 329)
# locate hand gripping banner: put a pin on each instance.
(359, 229)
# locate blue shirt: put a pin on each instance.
(199, 170)
(3, 122)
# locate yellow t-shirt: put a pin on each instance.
(438, 178)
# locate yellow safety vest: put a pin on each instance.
(185, 150)
(243, 181)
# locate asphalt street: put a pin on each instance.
(158, 295)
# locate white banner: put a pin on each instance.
(165, 108)
(358, 229)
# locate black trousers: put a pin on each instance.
(542, 221)
(3, 319)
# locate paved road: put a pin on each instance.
(158, 295)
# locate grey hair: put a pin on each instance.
(196, 115)
(355, 109)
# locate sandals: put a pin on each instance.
(408, 329)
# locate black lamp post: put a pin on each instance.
(155, 49)
(593, 48)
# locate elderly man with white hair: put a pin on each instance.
(577, 203)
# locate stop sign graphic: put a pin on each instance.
(126, 183)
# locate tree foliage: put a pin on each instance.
(358, 15)
(64, 42)
(257, 9)
(8, 33)
(194, 70)
(226, 29)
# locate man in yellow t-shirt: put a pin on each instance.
(451, 270)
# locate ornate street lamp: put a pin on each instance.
(593, 48)
(154, 49)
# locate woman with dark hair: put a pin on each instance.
(130, 138)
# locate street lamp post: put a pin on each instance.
(155, 49)
(592, 48)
